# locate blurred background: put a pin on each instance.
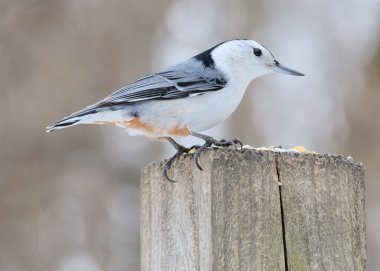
(69, 200)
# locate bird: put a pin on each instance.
(184, 99)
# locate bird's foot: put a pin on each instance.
(180, 150)
(209, 141)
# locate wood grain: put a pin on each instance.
(229, 216)
(323, 202)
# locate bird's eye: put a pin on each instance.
(257, 52)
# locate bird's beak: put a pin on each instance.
(277, 67)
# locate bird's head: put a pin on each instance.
(247, 60)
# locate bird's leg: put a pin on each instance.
(209, 141)
(180, 150)
(176, 145)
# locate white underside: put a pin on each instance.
(197, 113)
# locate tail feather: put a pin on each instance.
(88, 115)
(72, 119)
(61, 124)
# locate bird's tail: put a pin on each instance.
(62, 124)
(89, 115)
(82, 116)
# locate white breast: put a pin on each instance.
(197, 113)
(213, 108)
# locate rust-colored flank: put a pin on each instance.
(136, 123)
(179, 131)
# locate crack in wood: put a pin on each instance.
(282, 213)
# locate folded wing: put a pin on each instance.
(178, 82)
(189, 78)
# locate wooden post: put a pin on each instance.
(234, 215)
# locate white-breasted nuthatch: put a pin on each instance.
(185, 99)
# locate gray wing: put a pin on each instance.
(186, 79)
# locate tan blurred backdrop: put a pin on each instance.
(70, 200)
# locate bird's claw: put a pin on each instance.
(169, 163)
(225, 143)
(197, 150)
(211, 141)
(180, 151)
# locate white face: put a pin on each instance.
(247, 60)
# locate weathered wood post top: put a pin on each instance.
(254, 210)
